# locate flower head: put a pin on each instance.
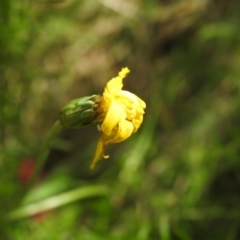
(120, 113)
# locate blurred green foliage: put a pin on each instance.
(179, 176)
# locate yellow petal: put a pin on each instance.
(123, 73)
(113, 116)
(137, 123)
(128, 95)
(125, 130)
(133, 105)
(115, 85)
(99, 154)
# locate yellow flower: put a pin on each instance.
(120, 112)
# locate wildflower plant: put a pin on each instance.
(117, 113)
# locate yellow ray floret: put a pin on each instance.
(121, 113)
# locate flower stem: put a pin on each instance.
(43, 154)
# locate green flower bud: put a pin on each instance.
(80, 112)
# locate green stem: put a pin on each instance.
(42, 157)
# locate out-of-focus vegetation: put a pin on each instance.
(179, 176)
